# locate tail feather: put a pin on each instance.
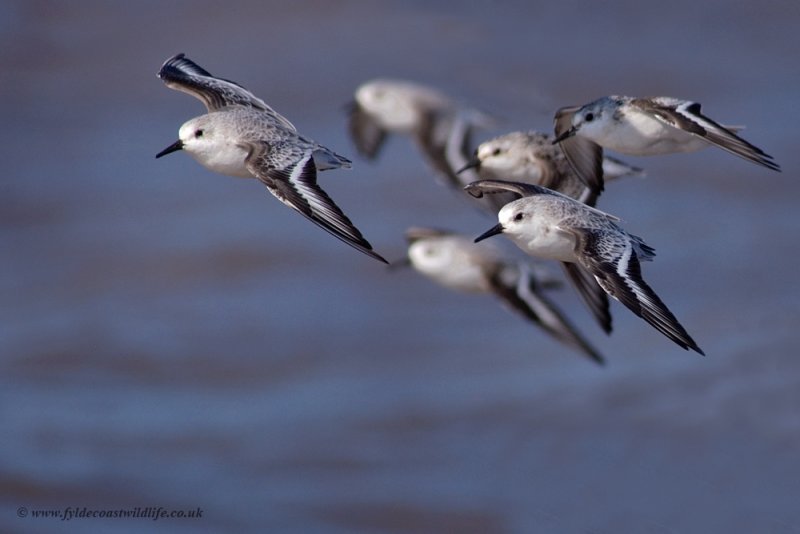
(326, 159)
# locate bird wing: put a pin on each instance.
(591, 292)
(615, 264)
(526, 298)
(290, 174)
(585, 156)
(686, 116)
(183, 74)
(479, 188)
(366, 133)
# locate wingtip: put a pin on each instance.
(363, 247)
(593, 355)
(169, 61)
(179, 65)
(366, 248)
(474, 189)
(606, 326)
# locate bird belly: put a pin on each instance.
(464, 278)
(550, 244)
(228, 160)
(645, 136)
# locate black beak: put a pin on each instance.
(494, 230)
(565, 135)
(174, 147)
(473, 163)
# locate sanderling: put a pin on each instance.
(242, 136)
(643, 127)
(384, 106)
(548, 224)
(531, 157)
(456, 262)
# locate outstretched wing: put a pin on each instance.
(615, 264)
(526, 298)
(481, 187)
(463, 161)
(290, 174)
(593, 295)
(366, 133)
(686, 116)
(432, 137)
(183, 74)
(585, 156)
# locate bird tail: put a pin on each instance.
(325, 159)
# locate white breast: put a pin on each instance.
(445, 262)
(224, 158)
(642, 135)
(542, 240)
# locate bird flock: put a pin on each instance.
(541, 188)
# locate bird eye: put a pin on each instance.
(519, 216)
(589, 117)
(496, 152)
(198, 133)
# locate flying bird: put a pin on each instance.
(548, 224)
(456, 262)
(643, 127)
(531, 157)
(242, 136)
(382, 107)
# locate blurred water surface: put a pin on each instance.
(170, 337)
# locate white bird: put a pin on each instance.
(548, 224)
(643, 127)
(531, 157)
(385, 106)
(456, 262)
(242, 136)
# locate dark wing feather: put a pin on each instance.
(585, 156)
(617, 269)
(479, 188)
(687, 117)
(526, 298)
(368, 137)
(592, 294)
(459, 152)
(182, 74)
(291, 176)
(432, 138)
